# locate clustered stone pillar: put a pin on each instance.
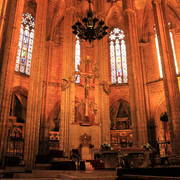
(10, 33)
(68, 93)
(101, 97)
(3, 8)
(169, 74)
(34, 101)
(137, 96)
(44, 124)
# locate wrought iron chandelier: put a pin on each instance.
(89, 30)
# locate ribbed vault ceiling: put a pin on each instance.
(112, 11)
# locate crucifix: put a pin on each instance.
(87, 76)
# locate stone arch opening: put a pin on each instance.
(54, 127)
(14, 153)
(162, 131)
(121, 126)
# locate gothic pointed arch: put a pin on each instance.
(120, 117)
(119, 109)
(146, 30)
(162, 130)
(56, 34)
(57, 19)
(55, 14)
(115, 16)
(19, 104)
(26, 38)
(54, 118)
(118, 57)
(17, 119)
(54, 122)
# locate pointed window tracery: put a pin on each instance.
(25, 45)
(159, 56)
(118, 58)
(77, 58)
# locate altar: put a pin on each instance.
(127, 157)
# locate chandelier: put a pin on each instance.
(88, 29)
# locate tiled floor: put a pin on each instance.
(65, 175)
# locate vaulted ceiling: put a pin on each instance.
(112, 12)
(56, 10)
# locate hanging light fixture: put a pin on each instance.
(89, 30)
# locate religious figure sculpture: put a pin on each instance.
(92, 111)
(87, 76)
(106, 87)
(79, 111)
(66, 83)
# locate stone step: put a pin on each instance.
(39, 174)
(70, 177)
(58, 174)
(97, 165)
(31, 179)
(40, 166)
(14, 169)
(88, 166)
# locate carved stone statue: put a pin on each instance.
(79, 111)
(87, 76)
(106, 87)
(66, 83)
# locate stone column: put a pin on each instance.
(169, 74)
(3, 10)
(44, 124)
(35, 87)
(8, 54)
(103, 98)
(68, 92)
(144, 47)
(135, 76)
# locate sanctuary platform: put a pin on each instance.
(64, 175)
(131, 157)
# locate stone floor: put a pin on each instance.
(65, 175)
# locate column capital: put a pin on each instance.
(143, 44)
(129, 11)
(156, 1)
(70, 10)
(49, 42)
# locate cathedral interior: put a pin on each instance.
(77, 75)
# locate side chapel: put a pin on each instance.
(61, 92)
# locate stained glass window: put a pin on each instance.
(118, 58)
(77, 58)
(159, 56)
(174, 54)
(25, 46)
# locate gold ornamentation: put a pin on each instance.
(85, 139)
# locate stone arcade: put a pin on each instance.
(61, 96)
